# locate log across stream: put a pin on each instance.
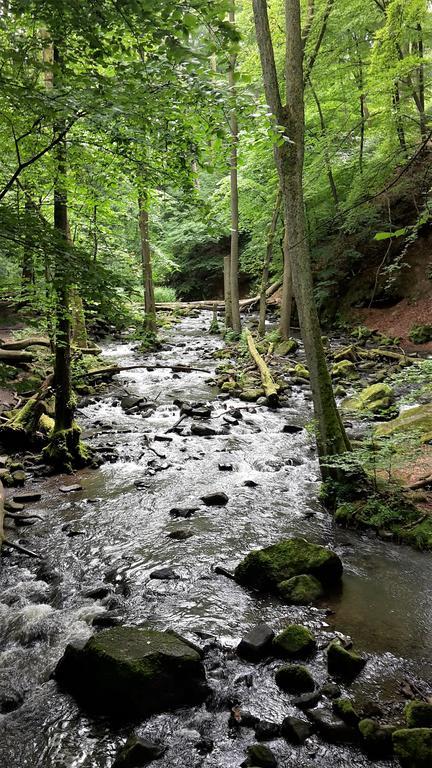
(103, 542)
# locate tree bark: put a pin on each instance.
(266, 265)
(287, 288)
(234, 257)
(146, 263)
(330, 434)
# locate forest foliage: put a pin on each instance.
(144, 103)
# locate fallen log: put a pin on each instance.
(16, 358)
(208, 304)
(399, 357)
(17, 344)
(270, 388)
(112, 370)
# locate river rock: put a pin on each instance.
(266, 568)
(307, 700)
(183, 511)
(180, 534)
(19, 478)
(343, 664)
(133, 672)
(295, 730)
(291, 429)
(418, 714)
(130, 401)
(12, 506)
(164, 574)
(137, 752)
(332, 729)
(344, 709)
(27, 497)
(242, 718)
(70, 488)
(260, 756)
(300, 590)
(294, 641)
(294, 678)
(413, 747)
(376, 740)
(217, 499)
(256, 643)
(374, 399)
(201, 430)
(266, 730)
(331, 690)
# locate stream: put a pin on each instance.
(107, 539)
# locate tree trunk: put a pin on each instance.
(147, 273)
(330, 434)
(79, 330)
(287, 288)
(234, 258)
(398, 119)
(28, 273)
(327, 161)
(421, 84)
(266, 266)
(227, 290)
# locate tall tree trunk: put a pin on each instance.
(266, 266)
(330, 434)
(78, 321)
(287, 287)
(28, 273)
(398, 119)
(227, 290)
(146, 263)
(421, 84)
(234, 258)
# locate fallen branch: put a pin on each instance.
(15, 357)
(24, 343)
(210, 305)
(270, 388)
(419, 484)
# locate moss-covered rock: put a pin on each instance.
(413, 747)
(295, 641)
(300, 371)
(418, 420)
(286, 347)
(344, 708)
(420, 334)
(251, 395)
(343, 664)
(376, 739)
(344, 369)
(131, 672)
(266, 568)
(376, 399)
(418, 714)
(294, 678)
(300, 590)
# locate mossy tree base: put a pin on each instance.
(65, 450)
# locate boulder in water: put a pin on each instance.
(294, 678)
(376, 739)
(266, 568)
(137, 752)
(300, 590)
(413, 747)
(418, 714)
(260, 756)
(295, 641)
(133, 672)
(343, 664)
(256, 643)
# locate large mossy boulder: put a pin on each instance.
(128, 672)
(417, 420)
(413, 747)
(294, 678)
(375, 399)
(265, 569)
(295, 641)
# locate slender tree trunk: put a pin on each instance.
(234, 258)
(146, 263)
(266, 265)
(28, 273)
(398, 119)
(78, 321)
(326, 152)
(287, 288)
(330, 434)
(421, 84)
(227, 290)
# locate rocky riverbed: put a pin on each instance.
(145, 541)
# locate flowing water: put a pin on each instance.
(115, 532)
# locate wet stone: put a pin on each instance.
(70, 488)
(217, 499)
(106, 620)
(256, 643)
(294, 678)
(242, 718)
(225, 467)
(250, 484)
(295, 730)
(343, 664)
(260, 756)
(201, 430)
(27, 497)
(291, 429)
(19, 478)
(137, 752)
(97, 592)
(307, 700)
(183, 511)
(266, 730)
(180, 535)
(331, 690)
(165, 574)
(12, 506)
(330, 728)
